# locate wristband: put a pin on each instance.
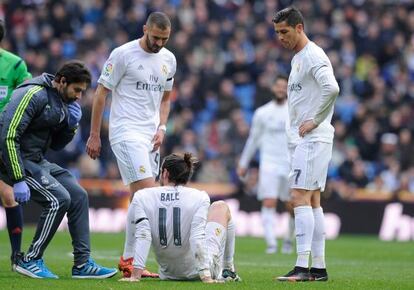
(162, 128)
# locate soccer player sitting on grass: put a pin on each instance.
(191, 239)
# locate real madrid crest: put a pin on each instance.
(44, 180)
(164, 69)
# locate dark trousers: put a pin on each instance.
(58, 192)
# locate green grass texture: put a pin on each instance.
(354, 262)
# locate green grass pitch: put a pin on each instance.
(354, 262)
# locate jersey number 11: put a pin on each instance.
(162, 226)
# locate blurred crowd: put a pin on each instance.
(227, 58)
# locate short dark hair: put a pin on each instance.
(281, 76)
(74, 71)
(291, 15)
(160, 19)
(180, 167)
(2, 29)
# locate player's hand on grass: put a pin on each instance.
(93, 146)
(129, 279)
(158, 139)
(136, 275)
(209, 280)
(306, 127)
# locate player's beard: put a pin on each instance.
(65, 96)
(152, 47)
(279, 100)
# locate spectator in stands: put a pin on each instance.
(371, 49)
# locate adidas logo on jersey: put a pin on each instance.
(141, 67)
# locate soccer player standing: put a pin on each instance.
(140, 76)
(13, 72)
(269, 128)
(191, 238)
(312, 91)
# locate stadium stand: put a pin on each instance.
(227, 56)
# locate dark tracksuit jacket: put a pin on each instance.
(35, 120)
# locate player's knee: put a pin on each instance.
(300, 197)
(7, 196)
(7, 199)
(220, 209)
(8, 202)
(269, 203)
(219, 205)
(64, 202)
(82, 195)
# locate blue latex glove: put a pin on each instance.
(75, 114)
(21, 192)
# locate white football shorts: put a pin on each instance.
(309, 167)
(135, 160)
(273, 184)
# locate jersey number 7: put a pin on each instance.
(162, 226)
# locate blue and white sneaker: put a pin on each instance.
(91, 270)
(34, 269)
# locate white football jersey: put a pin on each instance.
(268, 134)
(170, 211)
(305, 92)
(137, 80)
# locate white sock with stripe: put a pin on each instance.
(228, 262)
(304, 226)
(268, 218)
(318, 240)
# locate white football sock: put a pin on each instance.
(304, 224)
(318, 240)
(228, 262)
(268, 217)
(215, 233)
(129, 246)
(291, 229)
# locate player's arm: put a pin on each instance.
(24, 105)
(142, 247)
(324, 76)
(112, 73)
(330, 89)
(93, 146)
(165, 107)
(198, 241)
(21, 73)
(142, 241)
(252, 144)
(164, 112)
